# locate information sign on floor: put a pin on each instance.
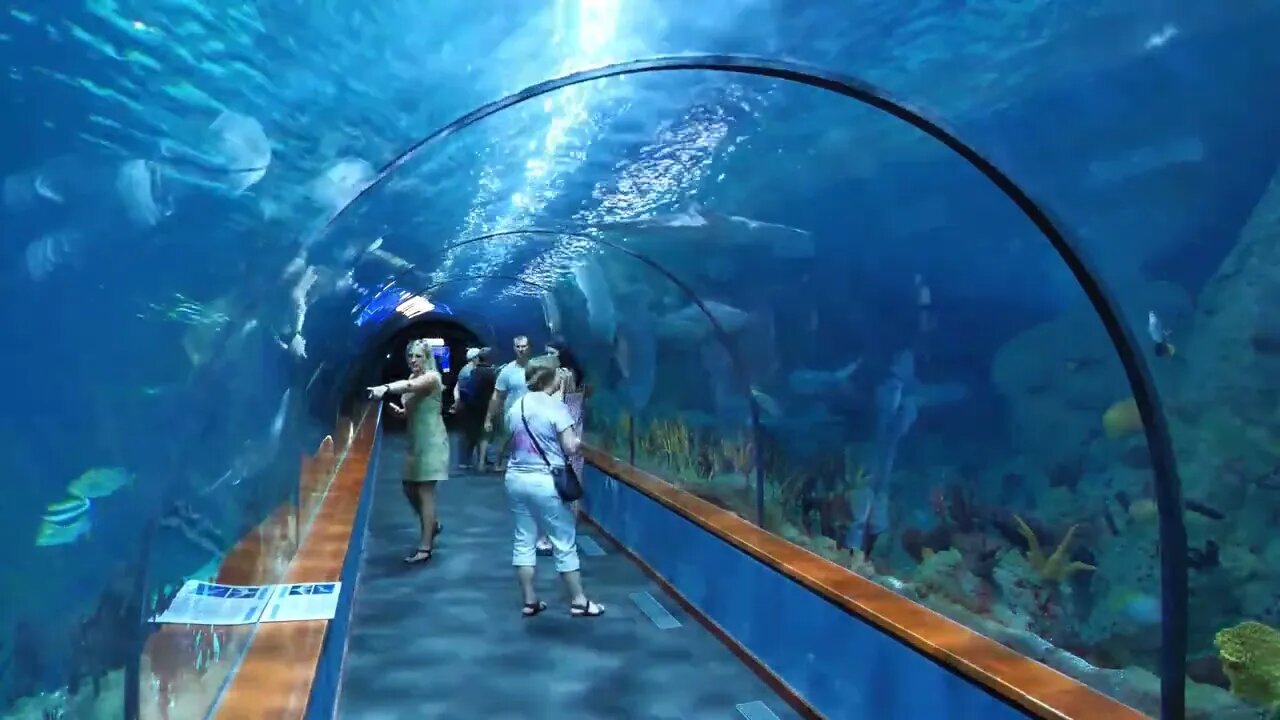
(304, 601)
(201, 603)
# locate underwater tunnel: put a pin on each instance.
(929, 357)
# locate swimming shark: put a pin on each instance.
(694, 223)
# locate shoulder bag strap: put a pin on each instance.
(534, 438)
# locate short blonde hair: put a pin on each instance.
(547, 360)
(539, 377)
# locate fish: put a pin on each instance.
(1139, 607)
(66, 511)
(696, 224)
(51, 534)
(243, 147)
(1160, 336)
(186, 311)
(50, 251)
(1208, 511)
(1122, 419)
(207, 323)
(551, 313)
(45, 190)
(54, 181)
(139, 185)
(99, 482)
(341, 182)
(767, 404)
(816, 383)
(690, 323)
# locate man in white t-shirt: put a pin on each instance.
(509, 388)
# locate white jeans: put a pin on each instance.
(535, 504)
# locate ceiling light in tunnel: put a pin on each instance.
(415, 306)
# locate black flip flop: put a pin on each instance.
(421, 556)
(533, 608)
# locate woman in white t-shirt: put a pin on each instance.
(563, 384)
(542, 436)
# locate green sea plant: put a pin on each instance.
(1250, 655)
(1057, 567)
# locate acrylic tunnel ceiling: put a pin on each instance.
(1144, 127)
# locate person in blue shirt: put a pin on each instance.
(475, 391)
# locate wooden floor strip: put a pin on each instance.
(1038, 689)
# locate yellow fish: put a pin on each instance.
(1138, 607)
(99, 482)
(66, 511)
(1122, 419)
(51, 534)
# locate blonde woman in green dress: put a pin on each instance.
(427, 461)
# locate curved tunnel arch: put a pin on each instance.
(1168, 490)
(722, 335)
(483, 276)
(355, 368)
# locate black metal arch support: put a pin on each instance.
(722, 336)
(1172, 530)
(482, 276)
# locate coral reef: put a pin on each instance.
(1049, 543)
(1057, 567)
(1250, 654)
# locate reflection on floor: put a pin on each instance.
(446, 640)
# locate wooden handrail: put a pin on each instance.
(1038, 689)
(275, 675)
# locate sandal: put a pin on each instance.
(588, 609)
(421, 556)
(533, 608)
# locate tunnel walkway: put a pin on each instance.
(446, 640)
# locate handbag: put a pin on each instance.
(568, 486)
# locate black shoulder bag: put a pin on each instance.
(568, 486)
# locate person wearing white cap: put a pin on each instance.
(464, 373)
(474, 390)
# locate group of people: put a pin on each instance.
(520, 409)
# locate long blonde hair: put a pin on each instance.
(428, 357)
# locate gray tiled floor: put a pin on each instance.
(446, 640)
